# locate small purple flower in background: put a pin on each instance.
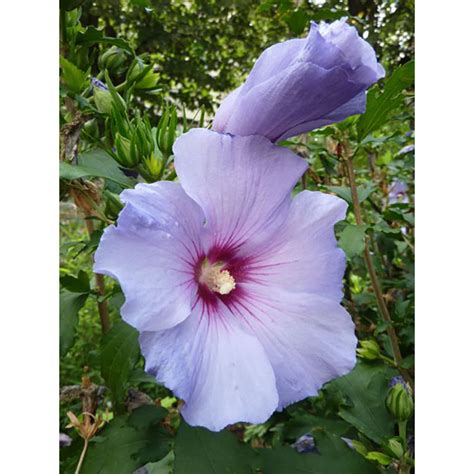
(64, 440)
(99, 84)
(406, 149)
(305, 444)
(398, 192)
(234, 286)
(302, 84)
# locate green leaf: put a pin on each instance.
(328, 14)
(380, 106)
(297, 21)
(69, 305)
(69, 5)
(73, 77)
(306, 423)
(335, 457)
(96, 164)
(128, 442)
(165, 466)
(79, 284)
(344, 192)
(367, 387)
(119, 354)
(352, 239)
(92, 35)
(199, 451)
(138, 376)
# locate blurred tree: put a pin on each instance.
(203, 48)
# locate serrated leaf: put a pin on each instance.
(352, 239)
(165, 466)
(119, 354)
(335, 457)
(344, 192)
(367, 387)
(92, 35)
(96, 164)
(381, 105)
(297, 21)
(73, 77)
(69, 305)
(200, 451)
(128, 442)
(79, 284)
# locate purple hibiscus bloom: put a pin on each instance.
(303, 84)
(234, 285)
(398, 192)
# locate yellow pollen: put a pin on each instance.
(218, 280)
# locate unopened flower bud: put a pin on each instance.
(151, 168)
(113, 59)
(113, 204)
(123, 152)
(369, 350)
(399, 399)
(91, 128)
(146, 80)
(102, 97)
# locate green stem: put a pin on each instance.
(374, 279)
(402, 431)
(83, 455)
(99, 280)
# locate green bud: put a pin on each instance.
(113, 204)
(113, 59)
(91, 128)
(143, 75)
(166, 131)
(399, 400)
(395, 447)
(103, 100)
(123, 152)
(151, 168)
(369, 350)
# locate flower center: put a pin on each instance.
(216, 279)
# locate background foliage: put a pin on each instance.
(165, 66)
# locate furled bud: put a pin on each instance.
(399, 399)
(142, 75)
(102, 97)
(113, 59)
(166, 131)
(151, 168)
(113, 204)
(91, 129)
(369, 350)
(395, 447)
(123, 152)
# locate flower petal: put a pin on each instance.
(243, 184)
(352, 107)
(303, 255)
(357, 52)
(308, 339)
(301, 94)
(221, 372)
(302, 84)
(151, 253)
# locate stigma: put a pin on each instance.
(216, 279)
